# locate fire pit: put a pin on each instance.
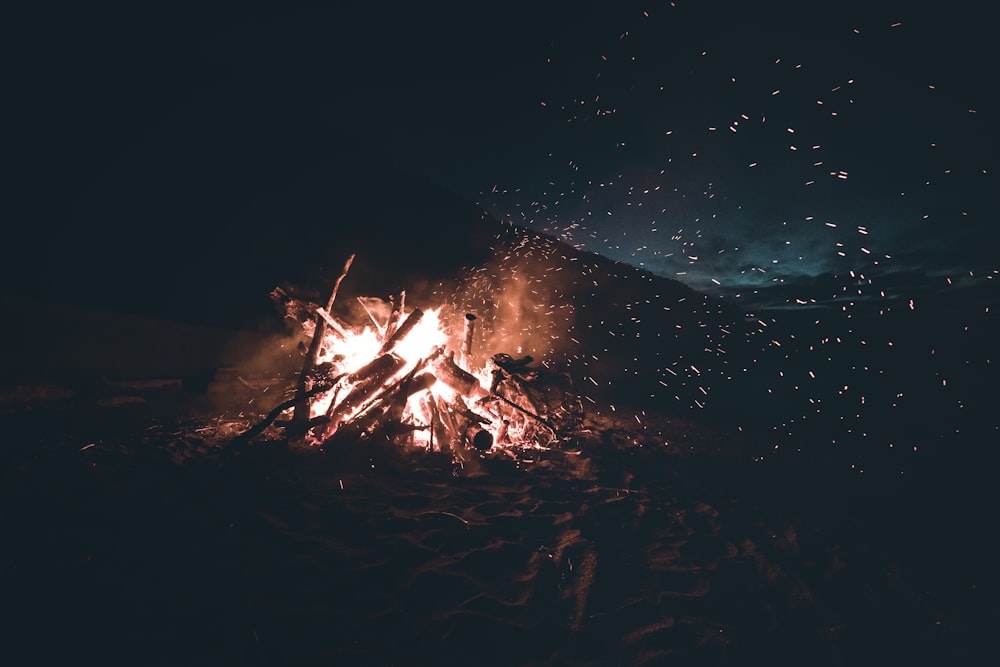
(406, 377)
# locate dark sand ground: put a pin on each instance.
(131, 538)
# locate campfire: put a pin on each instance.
(405, 376)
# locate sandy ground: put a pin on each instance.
(131, 537)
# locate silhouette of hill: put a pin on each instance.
(199, 231)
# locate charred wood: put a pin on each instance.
(333, 324)
(528, 413)
(457, 378)
(479, 438)
(369, 380)
(470, 415)
(451, 428)
(470, 325)
(402, 331)
(301, 410)
(395, 315)
(378, 327)
(244, 438)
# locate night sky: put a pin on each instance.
(773, 148)
(765, 152)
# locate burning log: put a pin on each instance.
(378, 327)
(470, 325)
(301, 411)
(386, 411)
(393, 425)
(447, 419)
(395, 315)
(410, 385)
(333, 324)
(507, 371)
(393, 388)
(471, 430)
(481, 439)
(437, 428)
(367, 382)
(380, 368)
(461, 381)
(538, 418)
(403, 330)
(502, 432)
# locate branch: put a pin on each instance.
(301, 415)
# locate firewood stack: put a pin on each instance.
(433, 400)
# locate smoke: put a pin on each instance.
(255, 370)
(519, 297)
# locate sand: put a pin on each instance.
(131, 537)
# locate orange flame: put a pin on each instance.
(434, 410)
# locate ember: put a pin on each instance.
(404, 378)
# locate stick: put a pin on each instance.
(402, 331)
(388, 390)
(301, 415)
(470, 325)
(378, 327)
(529, 413)
(332, 323)
(456, 377)
(336, 285)
(260, 426)
(395, 315)
(447, 420)
(430, 404)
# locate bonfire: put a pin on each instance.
(404, 377)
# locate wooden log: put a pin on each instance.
(506, 401)
(409, 386)
(436, 427)
(457, 378)
(391, 389)
(333, 324)
(402, 331)
(502, 433)
(378, 327)
(300, 416)
(479, 438)
(383, 367)
(459, 408)
(468, 431)
(448, 421)
(421, 382)
(369, 380)
(395, 316)
(470, 325)
(386, 410)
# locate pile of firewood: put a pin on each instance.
(434, 401)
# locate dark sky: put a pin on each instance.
(763, 151)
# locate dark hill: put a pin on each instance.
(200, 224)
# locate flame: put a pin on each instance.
(425, 336)
(415, 358)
